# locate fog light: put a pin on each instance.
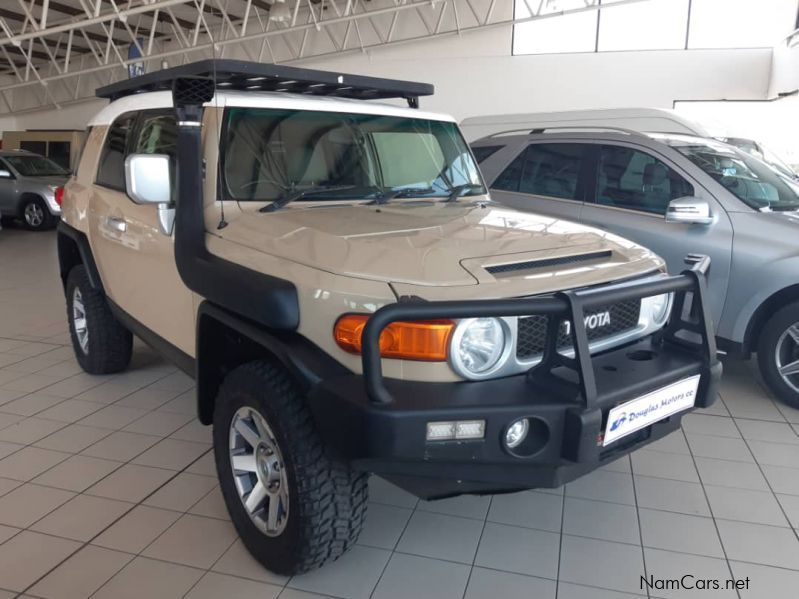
(517, 432)
(458, 429)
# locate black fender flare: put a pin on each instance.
(71, 240)
(306, 363)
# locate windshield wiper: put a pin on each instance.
(456, 192)
(405, 192)
(289, 197)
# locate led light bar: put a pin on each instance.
(452, 430)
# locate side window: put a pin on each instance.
(483, 152)
(111, 167)
(8, 173)
(552, 170)
(635, 180)
(510, 177)
(157, 133)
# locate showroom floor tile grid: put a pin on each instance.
(107, 489)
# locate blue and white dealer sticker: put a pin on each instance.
(647, 409)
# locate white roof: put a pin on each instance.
(150, 100)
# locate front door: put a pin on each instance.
(632, 190)
(136, 260)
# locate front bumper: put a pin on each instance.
(380, 425)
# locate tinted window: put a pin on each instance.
(510, 177)
(631, 179)
(545, 169)
(483, 152)
(35, 166)
(111, 169)
(552, 170)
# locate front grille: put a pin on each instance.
(532, 330)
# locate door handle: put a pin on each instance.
(117, 224)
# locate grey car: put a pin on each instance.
(29, 185)
(679, 195)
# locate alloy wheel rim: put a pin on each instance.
(786, 356)
(79, 321)
(259, 472)
(34, 215)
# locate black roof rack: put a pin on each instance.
(242, 75)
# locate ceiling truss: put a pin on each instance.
(55, 52)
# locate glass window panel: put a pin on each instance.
(652, 25)
(631, 179)
(569, 33)
(740, 23)
(552, 170)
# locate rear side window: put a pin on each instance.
(111, 167)
(483, 152)
(627, 178)
(551, 170)
(157, 133)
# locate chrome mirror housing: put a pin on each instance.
(147, 181)
(689, 210)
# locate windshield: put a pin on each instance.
(756, 183)
(271, 153)
(35, 166)
(763, 153)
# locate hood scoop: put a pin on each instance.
(525, 267)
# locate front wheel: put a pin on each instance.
(101, 344)
(778, 354)
(294, 505)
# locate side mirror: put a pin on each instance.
(4, 174)
(147, 178)
(147, 181)
(689, 210)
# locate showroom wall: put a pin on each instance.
(474, 74)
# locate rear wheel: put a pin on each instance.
(294, 505)
(778, 354)
(35, 214)
(101, 344)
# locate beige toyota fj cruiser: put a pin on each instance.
(350, 301)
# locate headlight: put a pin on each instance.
(660, 306)
(478, 345)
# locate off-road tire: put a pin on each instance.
(770, 335)
(109, 343)
(327, 499)
(48, 220)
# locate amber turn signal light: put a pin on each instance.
(424, 340)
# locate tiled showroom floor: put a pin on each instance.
(107, 489)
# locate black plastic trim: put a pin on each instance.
(169, 351)
(66, 262)
(307, 364)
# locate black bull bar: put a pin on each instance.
(689, 325)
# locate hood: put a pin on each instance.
(437, 244)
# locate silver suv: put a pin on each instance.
(30, 188)
(675, 194)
